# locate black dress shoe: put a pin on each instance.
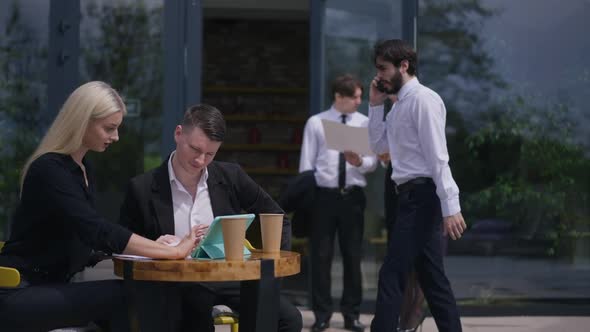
(354, 325)
(319, 326)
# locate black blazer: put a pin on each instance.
(299, 197)
(148, 211)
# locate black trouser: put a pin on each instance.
(343, 214)
(416, 243)
(51, 306)
(187, 306)
(390, 202)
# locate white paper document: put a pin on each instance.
(132, 256)
(342, 138)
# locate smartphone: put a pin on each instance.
(381, 87)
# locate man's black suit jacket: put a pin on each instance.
(148, 211)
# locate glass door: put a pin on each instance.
(347, 31)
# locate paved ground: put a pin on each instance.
(472, 277)
(495, 277)
(474, 324)
(482, 280)
(470, 324)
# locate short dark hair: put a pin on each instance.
(396, 51)
(346, 85)
(207, 118)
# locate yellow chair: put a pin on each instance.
(9, 277)
(227, 320)
(231, 320)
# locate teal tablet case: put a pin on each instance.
(211, 247)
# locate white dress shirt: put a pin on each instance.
(315, 155)
(189, 212)
(414, 135)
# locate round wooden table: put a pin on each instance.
(259, 276)
(188, 270)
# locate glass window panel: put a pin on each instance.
(255, 70)
(121, 44)
(351, 30)
(23, 81)
(515, 79)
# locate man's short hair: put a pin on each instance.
(346, 85)
(207, 118)
(396, 51)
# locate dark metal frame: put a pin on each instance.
(317, 9)
(63, 55)
(410, 22)
(183, 35)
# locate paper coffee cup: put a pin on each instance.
(271, 227)
(234, 233)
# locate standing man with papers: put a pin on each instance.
(428, 197)
(339, 205)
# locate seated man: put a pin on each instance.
(190, 189)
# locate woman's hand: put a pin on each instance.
(191, 240)
(169, 240)
(166, 246)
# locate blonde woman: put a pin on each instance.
(56, 226)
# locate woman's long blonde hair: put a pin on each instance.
(93, 100)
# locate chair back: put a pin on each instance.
(9, 277)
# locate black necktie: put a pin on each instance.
(342, 163)
(386, 107)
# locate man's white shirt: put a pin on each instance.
(315, 154)
(414, 135)
(189, 212)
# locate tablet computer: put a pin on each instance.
(211, 246)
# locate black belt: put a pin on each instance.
(409, 185)
(340, 191)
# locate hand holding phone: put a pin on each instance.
(381, 87)
(377, 93)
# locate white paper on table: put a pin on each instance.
(342, 138)
(131, 256)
